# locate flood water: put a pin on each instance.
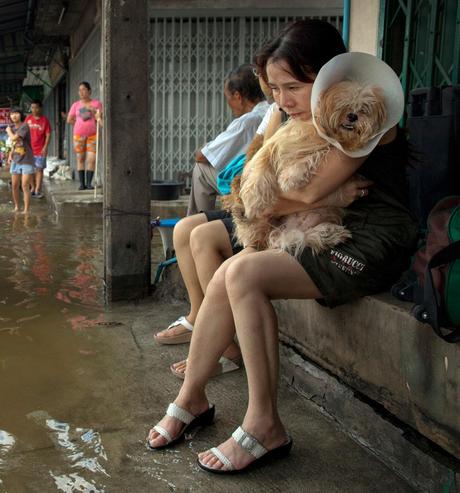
(55, 355)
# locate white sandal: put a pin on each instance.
(251, 445)
(178, 338)
(190, 423)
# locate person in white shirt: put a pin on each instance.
(246, 100)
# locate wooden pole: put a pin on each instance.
(97, 158)
(125, 41)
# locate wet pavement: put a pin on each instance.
(81, 383)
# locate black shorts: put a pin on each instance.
(226, 218)
(384, 236)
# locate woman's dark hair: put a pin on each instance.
(37, 102)
(17, 109)
(244, 80)
(86, 84)
(305, 46)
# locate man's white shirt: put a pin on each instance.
(236, 138)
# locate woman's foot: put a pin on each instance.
(233, 362)
(269, 437)
(179, 332)
(174, 426)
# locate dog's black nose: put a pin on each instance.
(352, 117)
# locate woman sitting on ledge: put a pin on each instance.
(238, 297)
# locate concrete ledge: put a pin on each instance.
(67, 200)
(392, 442)
(167, 209)
(376, 347)
(173, 208)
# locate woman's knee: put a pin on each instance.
(184, 228)
(210, 238)
(242, 277)
(200, 238)
(216, 286)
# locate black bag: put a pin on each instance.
(434, 137)
(433, 282)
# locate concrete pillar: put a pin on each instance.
(127, 158)
(364, 26)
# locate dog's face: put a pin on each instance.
(351, 113)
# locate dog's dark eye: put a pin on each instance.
(364, 112)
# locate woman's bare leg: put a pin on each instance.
(210, 243)
(26, 185)
(210, 246)
(81, 156)
(90, 161)
(251, 283)
(181, 240)
(15, 181)
(214, 330)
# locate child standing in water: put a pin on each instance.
(21, 159)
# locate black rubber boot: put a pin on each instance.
(81, 176)
(89, 179)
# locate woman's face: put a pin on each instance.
(15, 118)
(83, 92)
(292, 95)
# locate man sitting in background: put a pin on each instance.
(246, 100)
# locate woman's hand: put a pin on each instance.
(97, 115)
(353, 189)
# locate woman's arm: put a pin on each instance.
(14, 137)
(331, 186)
(354, 188)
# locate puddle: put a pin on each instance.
(61, 383)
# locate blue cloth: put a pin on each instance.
(22, 169)
(226, 176)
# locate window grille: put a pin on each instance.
(429, 32)
(189, 59)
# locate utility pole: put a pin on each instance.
(125, 29)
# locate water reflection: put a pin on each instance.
(50, 299)
(57, 355)
(81, 448)
(7, 442)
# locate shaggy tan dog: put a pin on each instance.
(347, 112)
